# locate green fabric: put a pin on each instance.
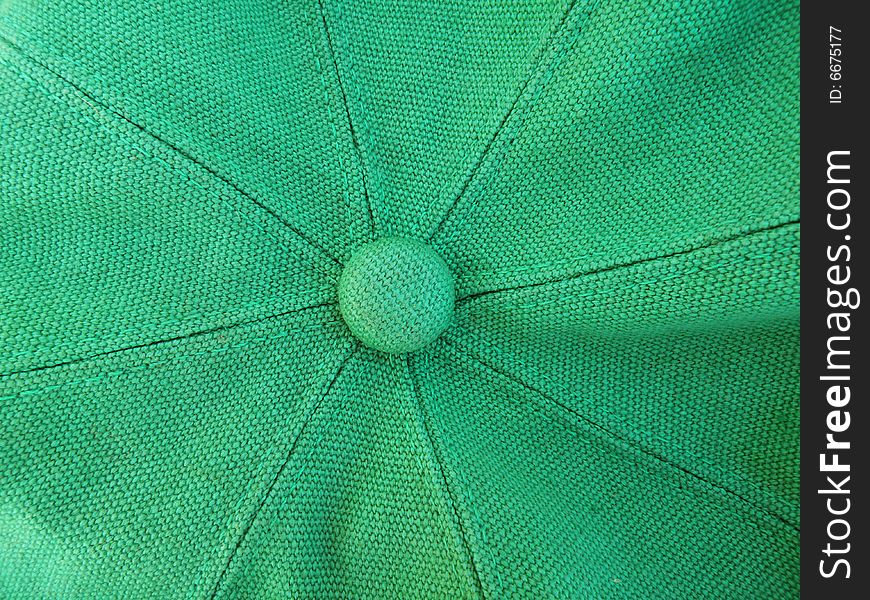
(607, 190)
(396, 295)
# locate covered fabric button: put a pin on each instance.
(396, 295)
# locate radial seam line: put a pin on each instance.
(180, 151)
(252, 519)
(353, 135)
(193, 334)
(504, 120)
(628, 442)
(632, 263)
(439, 464)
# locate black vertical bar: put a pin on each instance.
(835, 365)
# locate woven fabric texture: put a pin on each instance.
(594, 395)
(396, 295)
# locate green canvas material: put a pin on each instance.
(574, 375)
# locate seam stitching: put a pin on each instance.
(191, 318)
(335, 140)
(175, 358)
(267, 493)
(439, 466)
(641, 261)
(735, 227)
(91, 100)
(51, 55)
(457, 345)
(536, 80)
(346, 104)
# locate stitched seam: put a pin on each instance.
(519, 130)
(52, 55)
(608, 433)
(347, 111)
(173, 359)
(227, 522)
(335, 140)
(266, 494)
(191, 318)
(358, 90)
(164, 341)
(502, 124)
(534, 302)
(512, 360)
(89, 99)
(291, 486)
(505, 127)
(663, 257)
(686, 244)
(438, 466)
(452, 543)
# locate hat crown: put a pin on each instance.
(396, 295)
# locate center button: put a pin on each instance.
(396, 295)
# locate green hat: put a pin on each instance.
(399, 299)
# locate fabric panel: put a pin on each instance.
(135, 473)
(360, 509)
(247, 89)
